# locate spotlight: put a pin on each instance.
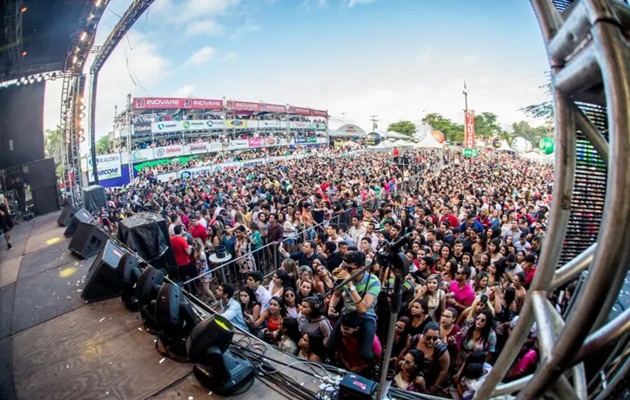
(53, 76)
(147, 284)
(23, 9)
(171, 317)
(83, 36)
(39, 78)
(74, 60)
(217, 368)
(24, 53)
(31, 79)
(98, 3)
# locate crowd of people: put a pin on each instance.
(472, 228)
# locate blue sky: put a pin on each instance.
(398, 59)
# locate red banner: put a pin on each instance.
(274, 108)
(152, 103)
(319, 113)
(203, 104)
(243, 106)
(299, 110)
(469, 134)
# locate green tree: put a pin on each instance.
(545, 109)
(486, 125)
(52, 147)
(102, 145)
(452, 131)
(407, 128)
(533, 134)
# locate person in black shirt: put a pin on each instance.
(304, 257)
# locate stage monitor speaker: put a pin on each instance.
(66, 215)
(45, 199)
(88, 240)
(103, 280)
(80, 216)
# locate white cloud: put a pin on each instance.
(352, 3)
(139, 71)
(185, 91)
(426, 56)
(250, 26)
(470, 59)
(208, 27)
(201, 56)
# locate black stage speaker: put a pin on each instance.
(147, 234)
(80, 216)
(104, 281)
(41, 173)
(46, 199)
(88, 240)
(66, 215)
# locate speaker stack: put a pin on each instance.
(88, 240)
(66, 215)
(80, 216)
(104, 279)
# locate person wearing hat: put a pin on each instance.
(359, 297)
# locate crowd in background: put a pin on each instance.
(473, 228)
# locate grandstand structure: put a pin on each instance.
(167, 128)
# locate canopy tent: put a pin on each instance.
(535, 156)
(350, 143)
(336, 133)
(395, 135)
(402, 143)
(428, 142)
(505, 146)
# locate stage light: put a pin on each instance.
(39, 78)
(217, 368)
(74, 60)
(23, 9)
(83, 36)
(24, 53)
(98, 3)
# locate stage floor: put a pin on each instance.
(53, 345)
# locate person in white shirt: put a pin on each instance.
(254, 280)
(357, 230)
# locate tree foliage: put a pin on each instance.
(533, 134)
(487, 126)
(102, 145)
(545, 109)
(407, 128)
(452, 131)
(52, 147)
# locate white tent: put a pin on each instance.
(402, 143)
(505, 146)
(428, 142)
(395, 135)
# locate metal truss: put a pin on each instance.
(72, 106)
(13, 30)
(589, 56)
(131, 15)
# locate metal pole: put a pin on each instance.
(92, 122)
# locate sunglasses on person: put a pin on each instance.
(431, 338)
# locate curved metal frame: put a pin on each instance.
(586, 49)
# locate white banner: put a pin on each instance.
(187, 126)
(168, 151)
(108, 166)
(140, 155)
(239, 144)
(198, 148)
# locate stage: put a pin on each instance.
(54, 345)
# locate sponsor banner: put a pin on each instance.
(108, 166)
(251, 163)
(271, 124)
(203, 104)
(299, 110)
(236, 123)
(255, 142)
(274, 108)
(142, 155)
(166, 177)
(225, 167)
(239, 144)
(214, 147)
(168, 151)
(153, 103)
(190, 125)
(320, 127)
(141, 127)
(197, 148)
(303, 140)
(243, 106)
(272, 142)
(319, 113)
(469, 134)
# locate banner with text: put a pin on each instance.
(141, 128)
(169, 151)
(108, 166)
(469, 134)
(142, 155)
(159, 103)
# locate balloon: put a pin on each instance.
(547, 145)
(438, 136)
(496, 143)
(373, 139)
(521, 145)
